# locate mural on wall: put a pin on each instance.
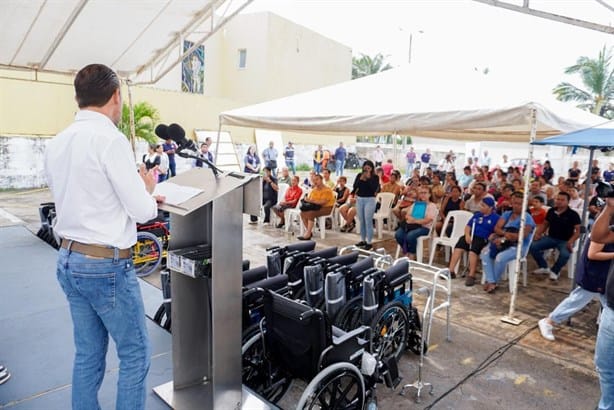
(193, 69)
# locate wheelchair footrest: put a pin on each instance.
(391, 373)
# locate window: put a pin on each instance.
(242, 58)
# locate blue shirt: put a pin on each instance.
(289, 153)
(169, 147)
(425, 158)
(530, 224)
(484, 224)
(340, 154)
(608, 175)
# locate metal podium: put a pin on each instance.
(206, 311)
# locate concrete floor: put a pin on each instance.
(533, 374)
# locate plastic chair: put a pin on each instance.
(321, 220)
(384, 212)
(419, 245)
(461, 218)
(281, 194)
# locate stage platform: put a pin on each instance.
(36, 341)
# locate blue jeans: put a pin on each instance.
(604, 352)
(537, 252)
(105, 299)
(365, 208)
(339, 165)
(291, 166)
(573, 303)
(317, 167)
(409, 169)
(172, 168)
(494, 268)
(409, 240)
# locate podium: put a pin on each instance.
(206, 310)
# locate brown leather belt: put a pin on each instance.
(98, 251)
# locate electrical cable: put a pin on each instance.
(490, 359)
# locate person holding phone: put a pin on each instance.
(366, 187)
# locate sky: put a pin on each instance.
(459, 34)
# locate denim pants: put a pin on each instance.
(409, 240)
(573, 303)
(339, 167)
(494, 268)
(409, 168)
(317, 167)
(365, 208)
(604, 352)
(537, 252)
(291, 167)
(105, 299)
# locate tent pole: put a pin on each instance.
(394, 148)
(523, 218)
(132, 125)
(217, 142)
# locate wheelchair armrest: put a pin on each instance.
(399, 280)
(340, 336)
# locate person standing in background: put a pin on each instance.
(340, 155)
(425, 160)
(99, 199)
(164, 164)
(318, 156)
(378, 156)
(269, 155)
(289, 157)
(169, 148)
(366, 186)
(410, 156)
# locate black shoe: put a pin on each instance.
(452, 275)
(367, 246)
(361, 244)
(279, 226)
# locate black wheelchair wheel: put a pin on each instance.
(261, 375)
(338, 386)
(390, 330)
(349, 317)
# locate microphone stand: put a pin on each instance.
(216, 171)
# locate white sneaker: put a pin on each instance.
(545, 329)
(553, 276)
(541, 271)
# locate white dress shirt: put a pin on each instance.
(98, 193)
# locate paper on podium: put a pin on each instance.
(176, 194)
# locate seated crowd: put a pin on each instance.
(421, 203)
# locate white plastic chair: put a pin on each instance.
(461, 218)
(384, 212)
(321, 220)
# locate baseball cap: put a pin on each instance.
(489, 201)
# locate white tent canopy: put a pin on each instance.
(410, 101)
(130, 36)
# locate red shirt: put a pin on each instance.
(387, 168)
(293, 194)
(539, 215)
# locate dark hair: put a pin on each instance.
(265, 168)
(566, 195)
(483, 185)
(539, 198)
(517, 194)
(369, 163)
(95, 84)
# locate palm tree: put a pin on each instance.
(365, 65)
(598, 78)
(145, 117)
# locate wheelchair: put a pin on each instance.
(298, 342)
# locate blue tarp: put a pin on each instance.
(601, 136)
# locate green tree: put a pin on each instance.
(366, 65)
(145, 118)
(597, 75)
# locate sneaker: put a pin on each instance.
(553, 276)
(361, 244)
(545, 329)
(266, 223)
(279, 226)
(4, 375)
(541, 271)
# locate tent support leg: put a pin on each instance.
(132, 124)
(510, 319)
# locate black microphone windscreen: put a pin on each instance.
(162, 131)
(175, 132)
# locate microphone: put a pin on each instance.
(162, 131)
(177, 134)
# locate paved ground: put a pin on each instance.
(532, 374)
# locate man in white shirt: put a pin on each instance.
(99, 198)
(378, 156)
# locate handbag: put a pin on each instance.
(309, 206)
(272, 164)
(504, 243)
